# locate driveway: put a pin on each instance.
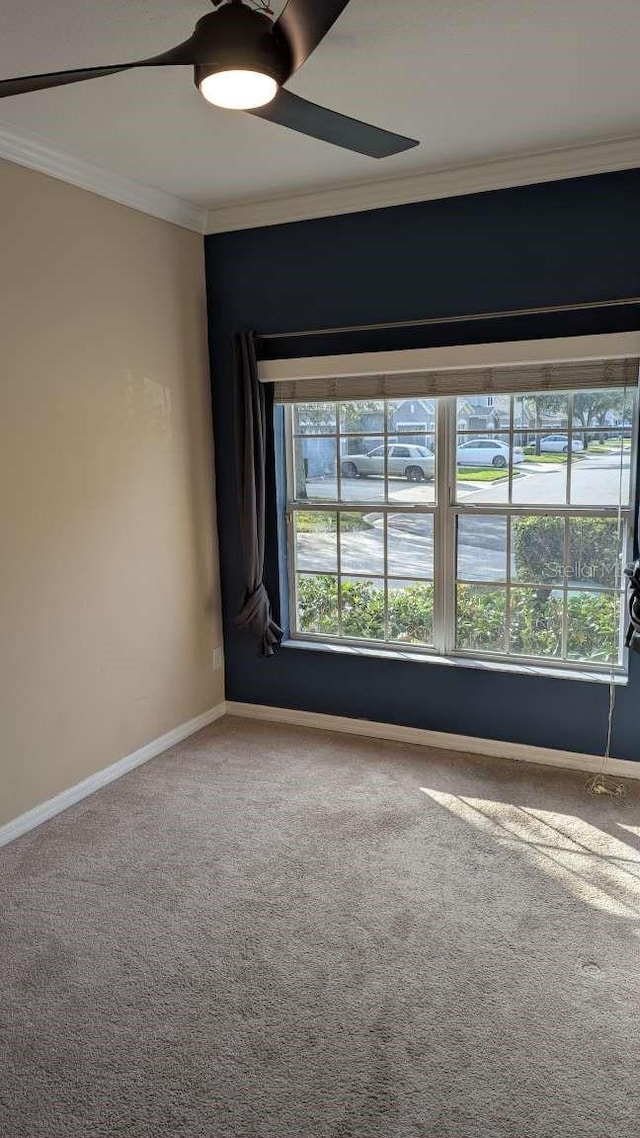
(359, 490)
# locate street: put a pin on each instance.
(482, 540)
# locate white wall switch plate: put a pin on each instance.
(217, 659)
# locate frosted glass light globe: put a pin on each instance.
(239, 90)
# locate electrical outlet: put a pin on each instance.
(217, 659)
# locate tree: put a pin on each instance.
(591, 408)
(538, 405)
(351, 415)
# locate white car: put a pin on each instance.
(404, 460)
(559, 444)
(487, 452)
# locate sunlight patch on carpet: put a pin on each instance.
(594, 866)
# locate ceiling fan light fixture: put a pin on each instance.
(238, 89)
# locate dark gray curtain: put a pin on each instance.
(250, 443)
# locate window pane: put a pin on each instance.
(362, 416)
(545, 449)
(541, 411)
(540, 479)
(315, 469)
(362, 466)
(538, 550)
(314, 418)
(316, 536)
(483, 468)
(483, 414)
(361, 542)
(414, 419)
(481, 619)
(482, 548)
(362, 607)
(609, 409)
(410, 618)
(536, 622)
(410, 545)
(317, 603)
(595, 548)
(411, 471)
(594, 627)
(533, 584)
(599, 470)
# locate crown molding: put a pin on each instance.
(37, 154)
(452, 181)
(354, 197)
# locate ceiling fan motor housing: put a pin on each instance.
(238, 37)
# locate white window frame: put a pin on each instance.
(445, 509)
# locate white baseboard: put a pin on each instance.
(73, 794)
(496, 748)
(418, 736)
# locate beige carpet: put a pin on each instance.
(280, 932)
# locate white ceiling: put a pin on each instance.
(472, 79)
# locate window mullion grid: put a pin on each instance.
(507, 644)
(565, 588)
(293, 570)
(338, 455)
(385, 517)
(445, 528)
(385, 532)
(338, 516)
(569, 448)
(385, 451)
(445, 512)
(339, 567)
(290, 518)
(627, 545)
(511, 442)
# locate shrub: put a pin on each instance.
(318, 605)
(593, 627)
(481, 618)
(536, 617)
(363, 610)
(411, 614)
(536, 622)
(538, 544)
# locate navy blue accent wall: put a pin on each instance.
(559, 243)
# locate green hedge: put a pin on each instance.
(536, 617)
(591, 556)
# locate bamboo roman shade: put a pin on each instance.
(564, 376)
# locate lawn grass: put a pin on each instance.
(545, 458)
(608, 448)
(324, 521)
(483, 473)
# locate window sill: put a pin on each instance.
(619, 679)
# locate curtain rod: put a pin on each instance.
(470, 318)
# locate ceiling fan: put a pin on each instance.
(241, 60)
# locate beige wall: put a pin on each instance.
(108, 578)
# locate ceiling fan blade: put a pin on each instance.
(304, 23)
(298, 114)
(182, 54)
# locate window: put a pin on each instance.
(505, 541)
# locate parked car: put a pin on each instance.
(559, 444)
(404, 460)
(487, 452)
